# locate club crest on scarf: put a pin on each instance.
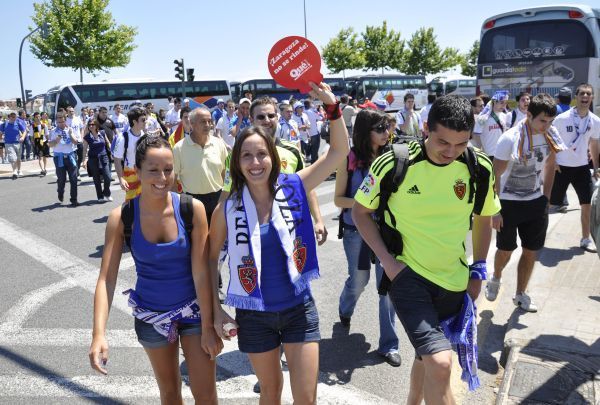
(299, 254)
(460, 189)
(248, 274)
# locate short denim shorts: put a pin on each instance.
(260, 332)
(151, 339)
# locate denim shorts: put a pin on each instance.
(261, 332)
(421, 305)
(151, 339)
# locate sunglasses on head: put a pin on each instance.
(262, 117)
(381, 128)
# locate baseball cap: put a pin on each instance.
(369, 104)
(298, 104)
(220, 101)
(187, 100)
(244, 100)
(565, 92)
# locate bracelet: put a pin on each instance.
(478, 270)
(333, 111)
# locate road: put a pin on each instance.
(49, 258)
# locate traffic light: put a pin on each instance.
(45, 30)
(19, 102)
(179, 69)
(190, 74)
(27, 95)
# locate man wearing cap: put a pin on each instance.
(408, 121)
(348, 112)
(241, 119)
(303, 126)
(580, 130)
(186, 102)
(564, 100)
(14, 134)
(219, 111)
(491, 123)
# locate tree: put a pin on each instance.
(82, 36)
(424, 55)
(469, 60)
(382, 49)
(343, 52)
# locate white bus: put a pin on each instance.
(107, 94)
(453, 84)
(388, 89)
(540, 50)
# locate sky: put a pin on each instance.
(231, 39)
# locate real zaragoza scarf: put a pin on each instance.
(290, 216)
(524, 147)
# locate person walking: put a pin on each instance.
(95, 159)
(63, 140)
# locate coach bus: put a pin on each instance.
(388, 89)
(453, 84)
(107, 94)
(540, 50)
(268, 88)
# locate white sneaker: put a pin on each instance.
(524, 301)
(109, 198)
(100, 200)
(588, 245)
(19, 173)
(491, 288)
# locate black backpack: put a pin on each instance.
(186, 210)
(389, 185)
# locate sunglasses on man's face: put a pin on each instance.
(262, 117)
(380, 129)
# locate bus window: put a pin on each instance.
(451, 86)
(65, 99)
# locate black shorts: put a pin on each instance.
(529, 218)
(420, 306)
(41, 148)
(579, 177)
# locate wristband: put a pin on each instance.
(478, 270)
(333, 111)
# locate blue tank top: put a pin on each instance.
(358, 175)
(164, 270)
(276, 287)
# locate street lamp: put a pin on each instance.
(44, 28)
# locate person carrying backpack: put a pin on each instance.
(369, 138)
(172, 301)
(424, 194)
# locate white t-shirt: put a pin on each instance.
(65, 145)
(121, 122)
(77, 125)
(313, 117)
(416, 116)
(576, 133)
(223, 126)
(348, 112)
(509, 117)
(522, 180)
(490, 132)
(152, 125)
(424, 113)
(120, 148)
(172, 117)
(302, 120)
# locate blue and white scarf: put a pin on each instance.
(581, 125)
(290, 216)
(165, 323)
(461, 331)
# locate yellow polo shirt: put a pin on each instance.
(200, 168)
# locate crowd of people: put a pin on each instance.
(203, 185)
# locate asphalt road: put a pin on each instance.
(49, 259)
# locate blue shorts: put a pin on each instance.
(151, 339)
(260, 332)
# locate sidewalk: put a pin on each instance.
(553, 356)
(27, 167)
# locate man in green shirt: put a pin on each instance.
(432, 213)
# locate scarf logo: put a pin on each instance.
(248, 274)
(460, 189)
(284, 164)
(299, 254)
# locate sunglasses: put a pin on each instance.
(91, 125)
(380, 129)
(262, 117)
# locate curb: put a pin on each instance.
(510, 353)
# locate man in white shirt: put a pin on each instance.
(348, 112)
(222, 127)
(172, 119)
(119, 119)
(491, 123)
(63, 140)
(315, 137)
(425, 110)
(519, 113)
(124, 154)
(303, 126)
(524, 160)
(580, 130)
(408, 121)
(77, 125)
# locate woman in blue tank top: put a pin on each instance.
(370, 137)
(272, 254)
(173, 290)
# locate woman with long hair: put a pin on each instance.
(96, 160)
(370, 137)
(272, 257)
(172, 300)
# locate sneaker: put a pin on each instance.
(109, 198)
(524, 301)
(74, 204)
(101, 199)
(392, 358)
(491, 288)
(14, 176)
(19, 173)
(588, 245)
(345, 321)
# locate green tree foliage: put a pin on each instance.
(424, 55)
(469, 60)
(343, 52)
(82, 36)
(382, 49)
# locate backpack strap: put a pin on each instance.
(349, 174)
(473, 166)
(186, 210)
(393, 179)
(126, 145)
(127, 215)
